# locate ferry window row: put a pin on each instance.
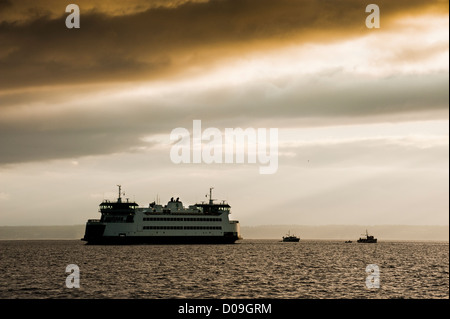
(180, 219)
(185, 227)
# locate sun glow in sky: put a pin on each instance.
(362, 114)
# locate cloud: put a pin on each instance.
(383, 153)
(27, 11)
(151, 40)
(4, 196)
(95, 106)
(113, 123)
(72, 93)
(364, 180)
(5, 4)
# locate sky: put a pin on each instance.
(362, 114)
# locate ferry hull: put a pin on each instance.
(161, 240)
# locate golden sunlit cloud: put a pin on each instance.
(357, 109)
(187, 35)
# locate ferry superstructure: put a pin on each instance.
(124, 222)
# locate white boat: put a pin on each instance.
(124, 222)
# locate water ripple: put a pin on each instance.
(248, 269)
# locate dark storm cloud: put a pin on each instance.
(58, 119)
(162, 40)
(4, 4)
(25, 146)
(118, 124)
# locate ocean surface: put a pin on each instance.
(247, 269)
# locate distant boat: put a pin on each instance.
(291, 238)
(348, 242)
(369, 239)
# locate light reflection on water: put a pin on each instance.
(248, 269)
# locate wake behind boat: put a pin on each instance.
(127, 223)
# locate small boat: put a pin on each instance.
(291, 238)
(348, 242)
(369, 239)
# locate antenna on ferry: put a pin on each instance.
(210, 195)
(119, 199)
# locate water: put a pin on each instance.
(248, 269)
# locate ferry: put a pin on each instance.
(124, 222)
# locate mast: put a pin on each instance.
(119, 200)
(210, 195)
